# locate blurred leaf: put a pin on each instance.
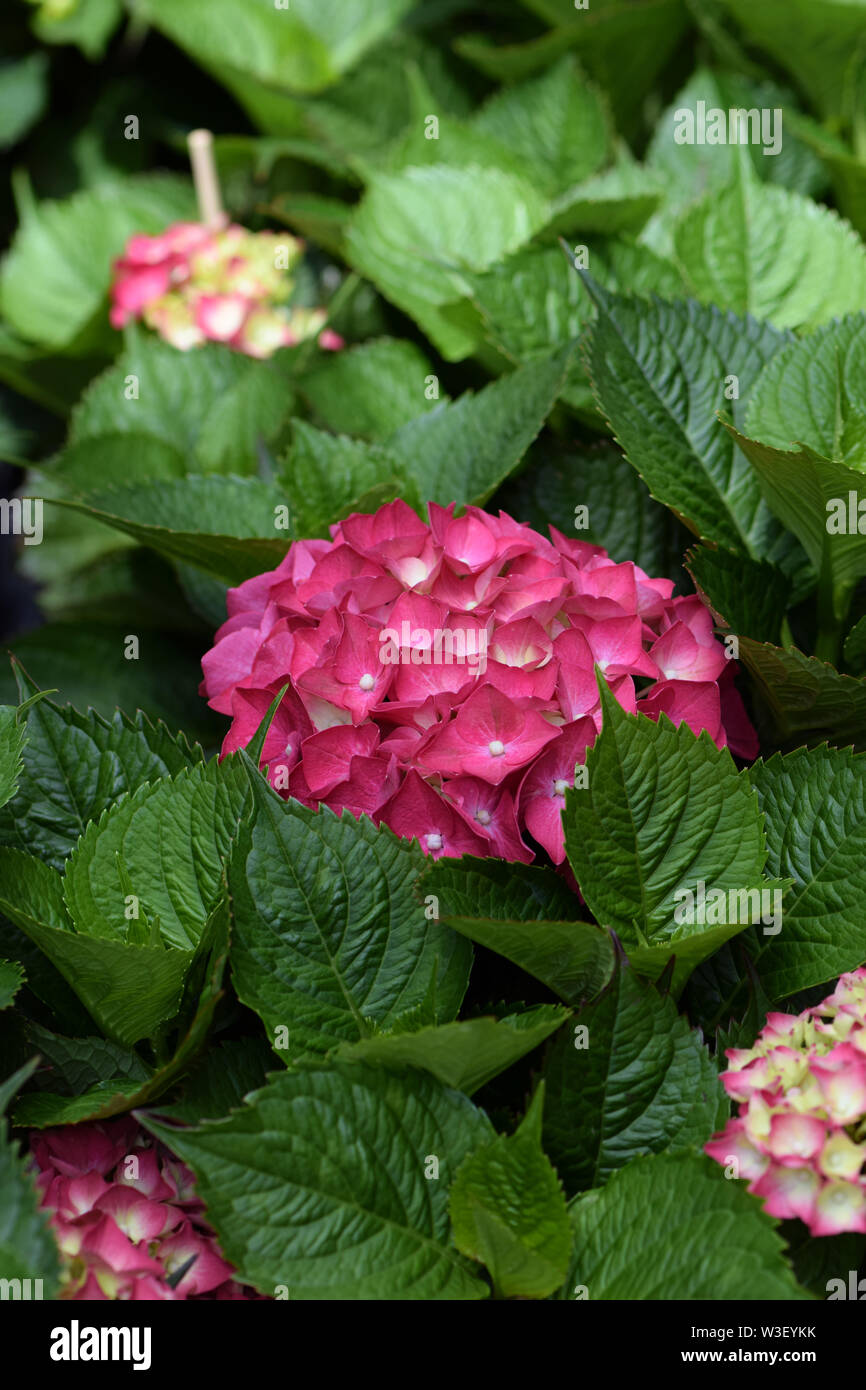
(370, 390)
(56, 276)
(211, 404)
(765, 251)
(303, 47)
(23, 95)
(481, 215)
(228, 526)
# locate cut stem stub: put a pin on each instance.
(205, 178)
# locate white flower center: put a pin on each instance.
(288, 750)
(367, 681)
(496, 747)
(483, 817)
(434, 841)
(560, 787)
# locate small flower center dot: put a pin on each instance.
(367, 681)
(496, 747)
(483, 817)
(560, 787)
(434, 841)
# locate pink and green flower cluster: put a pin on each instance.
(441, 673)
(126, 1217)
(800, 1136)
(192, 284)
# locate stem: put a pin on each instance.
(206, 179)
(833, 605)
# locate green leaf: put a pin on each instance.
(534, 301)
(127, 990)
(123, 1083)
(326, 477)
(639, 1081)
(221, 1080)
(465, 1054)
(89, 24)
(556, 123)
(809, 494)
(811, 393)
(574, 959)
(816, 42)
(370, 390)
(693, 167)
(81, 1062)
(748, 597)
(11, 980)
(212, 405)
(348, 1210)
(855, 645)
(504, 909)
(12, 1085)
(470, 887)
(508, 1211)
(303, 49)
(622, 516)
(623, 46)
(673, 1227)
(328, 937)
(622, 199)
(90, 1074)
(55, 278)
(28, 1250)
(165, 845)
(762, 250)
(461, 451)
(231, 527)
(482, 214)
(107, 460)
(814, 805)
(808, 700)
(12, 735)
(662, 813)
(363, 116)
(659, 372)
(77, 765)
(23, 95)
(85, 660)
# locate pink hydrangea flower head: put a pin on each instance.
(194, 284)
(799, 1138)
(441, 674)
(126, 1217)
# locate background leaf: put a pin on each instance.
(55, 277)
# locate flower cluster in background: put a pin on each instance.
(192, 284)
(441, 678)
(126, 1217)
(799, 1136)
